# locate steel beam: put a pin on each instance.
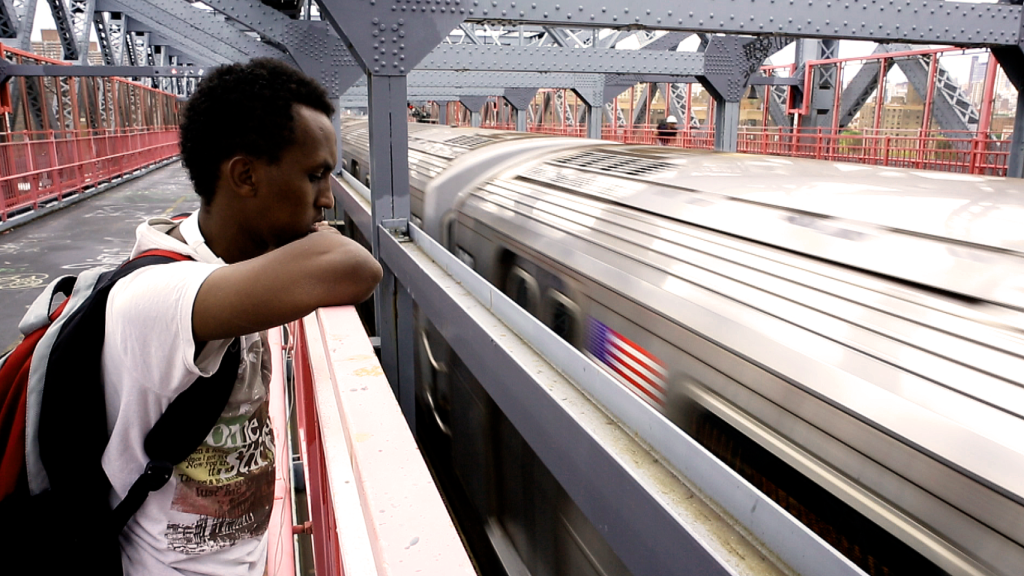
(391, 42)
(205, 24)
(913, 21)
(185, 58)
(509, 80)
(317, 49)
(667, 42)
(132, 23)
(103, 38)
(469, 33)
(138, 46)
(25, 12)
(8, 20)
(951, 108)
(73, 19)
(555, 59)
(144, 16)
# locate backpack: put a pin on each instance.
(53, 429)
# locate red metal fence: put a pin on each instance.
(36, 168)
(947, 151)
(911, 140)
(61, 135)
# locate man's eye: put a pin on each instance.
(317, 177)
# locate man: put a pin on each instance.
(259, 147)
(667, 131)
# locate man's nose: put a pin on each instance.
(325, 198)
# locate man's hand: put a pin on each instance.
(323, 226)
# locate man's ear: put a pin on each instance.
(239, 172)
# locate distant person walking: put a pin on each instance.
(667, 131)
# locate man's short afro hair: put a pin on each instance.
(243, 109)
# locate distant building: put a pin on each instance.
(50, 47)
(897, 117)
(978, 70)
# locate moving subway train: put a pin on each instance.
(848, 338)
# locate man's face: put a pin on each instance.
(293, 193)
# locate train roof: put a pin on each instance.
(979, 210)
(951, 232)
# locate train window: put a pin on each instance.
(466, 257)
(522, 288)
(564, 316)
(449, 231)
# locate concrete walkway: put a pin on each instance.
(96, 231)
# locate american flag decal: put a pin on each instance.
(628, 362)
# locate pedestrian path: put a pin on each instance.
(97, 231)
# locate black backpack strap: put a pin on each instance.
(73, 399)
(73, 396)
(179, 431)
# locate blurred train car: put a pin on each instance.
(846, 337)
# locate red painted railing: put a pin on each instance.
(947, 151)
(373, 506)
(39, 167)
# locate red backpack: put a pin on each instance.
(53, 428)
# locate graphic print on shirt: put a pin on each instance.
(228, 482)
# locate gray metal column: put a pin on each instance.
(389, 188)
(590, 88)
(729, 63)
(387, 42)
(519, 99)
(1015, 164)
(339, 165)
(823, 84)
(1011, 59)
(442, 113)
(474, 104)
(727, 121)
